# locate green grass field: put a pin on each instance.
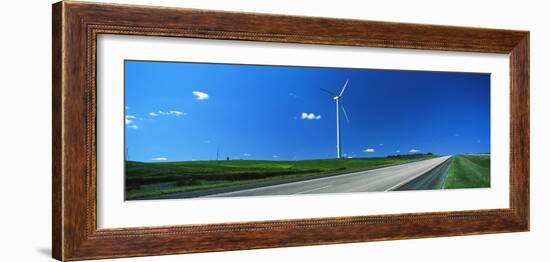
(469, 171)
(153, 179)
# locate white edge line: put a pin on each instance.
(311, 190)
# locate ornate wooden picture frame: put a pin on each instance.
(76, 26)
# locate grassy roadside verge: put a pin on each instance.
(469, 171)
(154, 179)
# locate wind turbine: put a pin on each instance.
(339, 105)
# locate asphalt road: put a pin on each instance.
(433, 179)
(425, 174)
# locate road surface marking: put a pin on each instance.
(311, 190)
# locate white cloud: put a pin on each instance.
(153, 114)
(201, 95)
(310, 116)
(170, 113)
(129, 119)
(397, 151)
(177, 113)
(414, 151)
(369, 150)
(160, 159)
(133, 126)
(275, 156)
(247, 154)
(295, 96)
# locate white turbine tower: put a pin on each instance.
(339, 105)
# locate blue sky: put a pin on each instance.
(190, 111)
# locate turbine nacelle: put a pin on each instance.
(336, 97)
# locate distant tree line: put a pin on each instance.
(409, 155)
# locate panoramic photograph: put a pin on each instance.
(234, 130)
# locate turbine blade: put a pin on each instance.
(344, 88)
(345, 113)
(332, 94)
